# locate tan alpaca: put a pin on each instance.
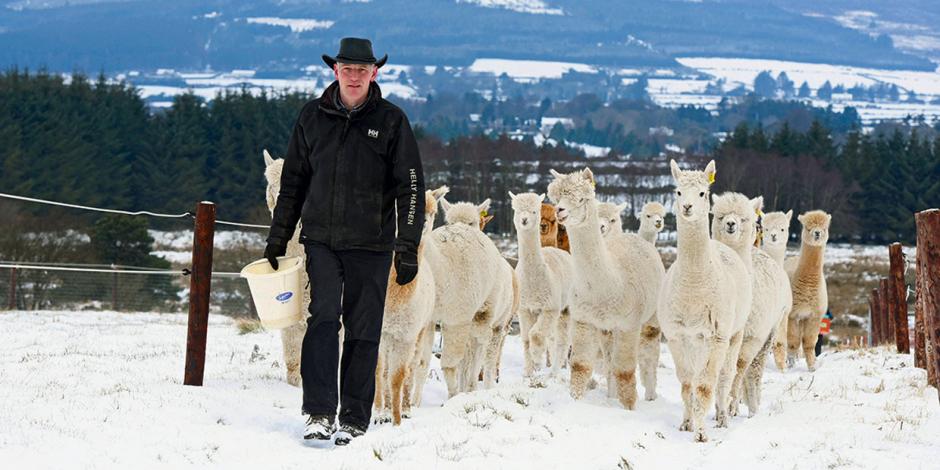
(734, 223)
(774, 242)
(563, 242)
(705, 294)
(405, 325)
(808, 282)
(548, 226)
(544, 275)
(616, 283)
(292, 337)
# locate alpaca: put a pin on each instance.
(474, 296)
(616, 283)
(562, 241)
(435, 262)
(774, 243)
(735, 224)
(705, 295)
(405, 324)
(548, 226)
(810, 297)
(544, 275)
(609, 217)
(292, 337)
(652, 221)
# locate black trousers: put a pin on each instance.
(347, 285)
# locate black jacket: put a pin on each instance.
(346, 173)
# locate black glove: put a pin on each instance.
(272, 251)
(406, 265)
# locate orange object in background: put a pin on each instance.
(825, 326)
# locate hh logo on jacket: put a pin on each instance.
(373, 133)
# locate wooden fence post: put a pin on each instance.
(876, 334)
(899, 291)
(872, 320)
(12, 299)
(199, 289)
(920, 356)
(887, 307)
(928, 270)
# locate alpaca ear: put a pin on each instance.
(789, 215)
(444, 204)
(828, 218)
(267, 158)
(484, 206)
(588, 175)
(541, 197)
(676, 171)
(758, 203)
(710, 171)
(555, 173)
(512, 196)
(801, 218)
(487, 219)
(440, 192)
(621, 207)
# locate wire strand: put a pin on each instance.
(183, 272)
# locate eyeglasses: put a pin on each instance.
(355, 70)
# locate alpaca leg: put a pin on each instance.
(419, 374)
(623, 363)
(726, 379)
(583, 357)
(378, 403)
(494, 350)
(561, 341)
(794, 337)
(607, 350)
(750, 348)
(780, 344)
(540, 336)
(810, 335)
(477, 357)
(649, 358)
(704, 386)
(686, 377)
(398, 372)
(454, 356)
(526, 319)
(292, 339)
(753, 379)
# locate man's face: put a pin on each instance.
(354, 81)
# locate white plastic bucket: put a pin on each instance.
(277, 294)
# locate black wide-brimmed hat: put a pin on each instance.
(355, 51)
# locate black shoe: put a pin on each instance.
(347, 432)
(320, 427)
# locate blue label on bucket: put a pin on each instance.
(284, 296)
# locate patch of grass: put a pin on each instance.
(248, 325)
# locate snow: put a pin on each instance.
(536, 7)
(528, 70)
(103, 390)
(296, 25)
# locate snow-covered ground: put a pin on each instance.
(103, 390)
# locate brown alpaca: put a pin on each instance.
(808, 282)
(548, 227)
(563, 238)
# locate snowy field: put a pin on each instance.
(103, 390)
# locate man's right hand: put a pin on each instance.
(272, 251)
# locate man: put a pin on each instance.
(352, 163)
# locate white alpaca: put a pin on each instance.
(651, 223)
(734, 223)
(545, 275)
(810, 297)
(474, 297)
(616, 284)
(405, 326)
(705, 295)
(292, 337)
(776, 234)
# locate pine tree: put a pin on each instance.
(764, 85)
(825, 91)
(804, 91)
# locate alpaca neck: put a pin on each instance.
(648, 234)
(530, 250)
(777, 252)
(588, 249)
(692, 237)
(811, 258)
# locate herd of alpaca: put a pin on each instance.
(590, 297)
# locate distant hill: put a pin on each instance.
(93, 35)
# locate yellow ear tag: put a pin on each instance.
(711, 178)
(760, 213)
(483, 214)
(593, 184)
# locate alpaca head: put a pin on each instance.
(608, 214)
(815, 227)
(652, 217)
(692, 191)
(431, 197)
(527, 211)
(548, 226)
(776, 228)
(735, 219)
(272, 173)
(571, 194)
(464, 212)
